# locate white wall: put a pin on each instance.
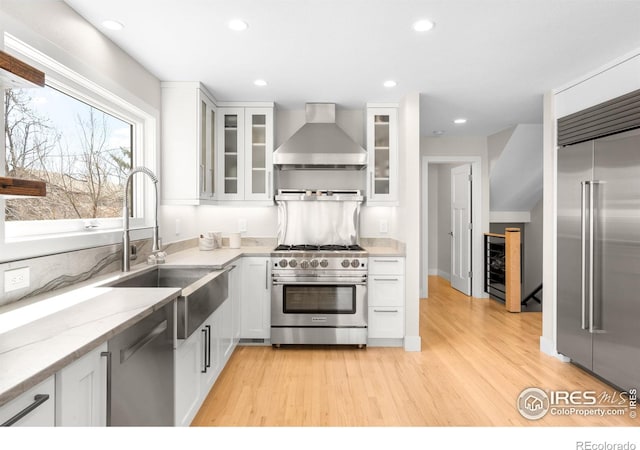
(443, 212)
(620, 76)
(533, 239)
(433, 219)
(496, 144)
(409, 213)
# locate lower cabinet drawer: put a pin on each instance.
(34, 408)
(386, 322)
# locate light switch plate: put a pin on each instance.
(16, 279)
(242, 225)
(384, 226)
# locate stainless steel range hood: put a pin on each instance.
(320, 144)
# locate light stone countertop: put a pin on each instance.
(33, 352)
(41, 335)
(385, 251)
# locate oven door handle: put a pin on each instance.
(352, 282)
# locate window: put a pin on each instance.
(81, 139)
(82, 153)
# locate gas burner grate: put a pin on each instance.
(314, 248)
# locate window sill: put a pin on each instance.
(18, 248)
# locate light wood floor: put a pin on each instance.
(475, 360)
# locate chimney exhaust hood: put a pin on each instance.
(320, 144)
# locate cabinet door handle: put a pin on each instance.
(270, 187)
(266, 275)
(108, 356)
(38, 400)
(204, 362)
(386, 310)
(208, 327)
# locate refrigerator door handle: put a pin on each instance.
(592, 327)
(583, 262)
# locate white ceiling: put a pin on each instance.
(489, 61)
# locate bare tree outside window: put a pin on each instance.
(81, 152)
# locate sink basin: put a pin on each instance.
(160, 276)
(203, 291)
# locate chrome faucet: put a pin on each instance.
(125, 217)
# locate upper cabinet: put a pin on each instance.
(382, 149)
(188, 144)
(245, 143)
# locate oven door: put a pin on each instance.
(319, 303)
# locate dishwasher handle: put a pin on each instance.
(38, 400)
(145, 340)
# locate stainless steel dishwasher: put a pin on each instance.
(140, 380)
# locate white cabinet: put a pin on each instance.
(34, 408)
(189, 365)
(188, 144)
(200, 359)
(81, 391)
(382, 150)
(256, 298)
(235, 297)
(386, 298)
(245, 140)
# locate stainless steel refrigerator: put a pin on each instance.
(599, 256)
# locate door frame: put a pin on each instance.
(480, 215)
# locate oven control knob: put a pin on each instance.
(293, 263)
(345, 263)
(324, 263)
(304, 264)
(283, 263)
(355, 263)
(314, 263)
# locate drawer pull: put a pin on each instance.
(386, 310)
(386, 279)
(37, 401)
(386, 260)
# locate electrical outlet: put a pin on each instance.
(242, 225)
(384, 226)
(177, 227)
(16, 279)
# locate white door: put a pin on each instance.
(461, 228)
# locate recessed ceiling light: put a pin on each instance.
(423, 25)
(460, 121)
(260, 83)
(238, 25)
(390, 83)
(112, 25)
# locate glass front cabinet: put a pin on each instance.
(245, 137)
(382, 149)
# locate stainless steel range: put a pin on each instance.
(319, 290)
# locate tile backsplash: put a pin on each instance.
(48, 273)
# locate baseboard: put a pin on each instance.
(412, 344)
(445, 275)
(433, 272)
(548, 347)
(387, 342)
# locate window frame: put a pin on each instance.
(21, 239)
